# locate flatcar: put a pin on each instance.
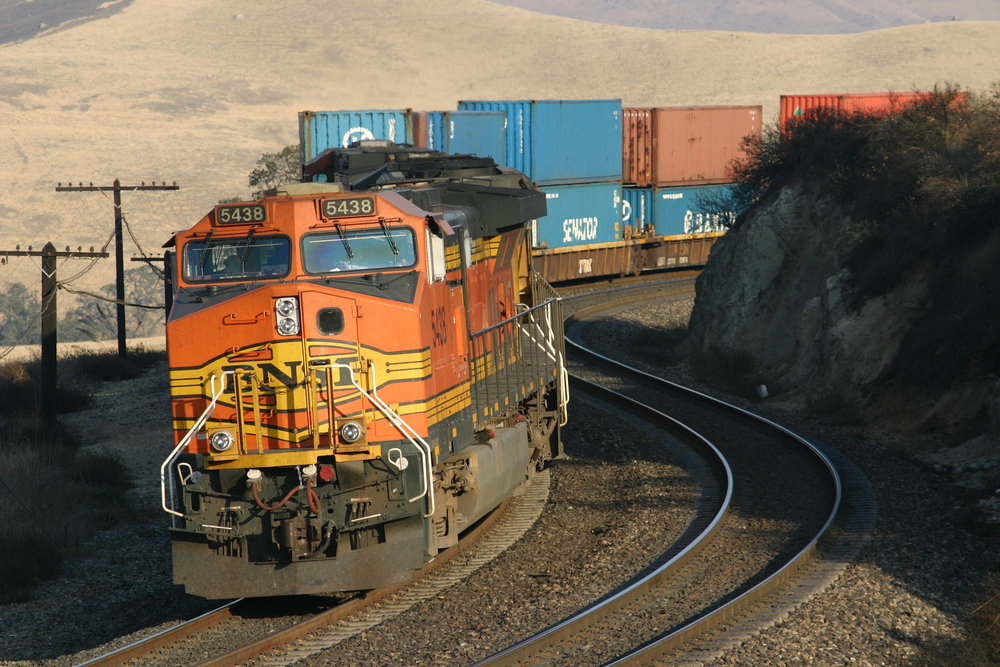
(361, 367)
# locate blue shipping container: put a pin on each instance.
(637, 207)
(684, 210)
(579, 215)
(557, 142)
(480, 133)
(320, 130)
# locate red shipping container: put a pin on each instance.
(668, 146)
(876, 104)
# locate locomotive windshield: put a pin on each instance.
(248, 258)
(367, 249)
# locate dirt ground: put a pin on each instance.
(194, 91)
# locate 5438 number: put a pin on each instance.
(247, 213)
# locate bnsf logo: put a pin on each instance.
(270, 374)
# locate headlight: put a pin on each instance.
(221, 441)
(287, 326)
(351, 432)
(287, 309)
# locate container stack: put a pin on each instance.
(322, 130)
(677, 166)
(480, 133)
(875, 104)
(571, 150)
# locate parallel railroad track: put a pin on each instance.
(684, 601)
(748, 581)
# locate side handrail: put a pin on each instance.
(187, 439)
(547, 329)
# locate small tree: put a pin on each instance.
(96, 319)
(20, 314)
(274, 169)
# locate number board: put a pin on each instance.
(241, 215)
(338, 208)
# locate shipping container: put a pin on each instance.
(580, 214)
(558, 142)
(481, 133)
(674, 211)
(320, 130)
(690, 210)
(879, 104)
(637, 208)
(685, 145)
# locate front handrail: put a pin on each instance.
(187, 439)
(405, 429)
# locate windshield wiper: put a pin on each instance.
(343, 237)
(246, 250)
(208, 245)
(374, 278)
(388, 237)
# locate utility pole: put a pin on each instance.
(117, 188)
(50, 317)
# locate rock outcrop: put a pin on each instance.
(775, 290)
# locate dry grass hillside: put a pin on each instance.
(194, 91)
(784, 16)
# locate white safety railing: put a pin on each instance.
(165, 468)
(405, 430)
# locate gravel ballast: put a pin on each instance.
(912, 587)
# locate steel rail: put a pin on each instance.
(210, 619)
(642, 584)
(673, 641)
(163, 638)
(324, 618)
(676, 639)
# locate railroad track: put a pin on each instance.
(751, 579)
(324, 629)
(676, 604)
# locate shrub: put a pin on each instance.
(29, 558)
(922, 187)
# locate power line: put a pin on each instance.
(117, 189)
(49, 314)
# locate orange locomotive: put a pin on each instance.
(360, 367)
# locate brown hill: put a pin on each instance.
(193, 91)
(779, 16)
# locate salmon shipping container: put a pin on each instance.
(677, 211)
(884, 104)
(557, 142)
(480, 133)
(684, 145)
(320, 130)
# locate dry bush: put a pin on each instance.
(50, 504)
(922, 187)
(52, 496)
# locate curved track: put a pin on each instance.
(749, 557)
(760, 561)
(328, 627)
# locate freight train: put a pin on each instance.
(361, 366)
(628, 190)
